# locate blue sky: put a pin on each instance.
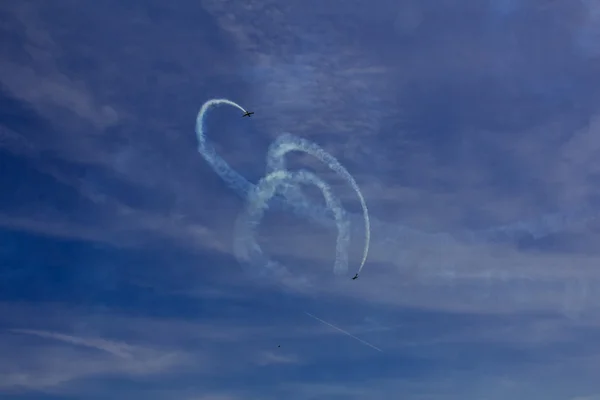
(470, 127)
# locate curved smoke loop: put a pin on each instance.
(281, 186)
(245, 246)
(288, 197)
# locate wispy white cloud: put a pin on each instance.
(57, 361)
(359, 90)
(272, 358)
(222, 397)
(75, 346)
(117, 349)
(39, 80)
(423, 208)
(46, 365)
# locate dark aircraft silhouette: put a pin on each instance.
(248, 113)
(355, 277)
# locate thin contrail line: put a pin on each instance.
(344, 332)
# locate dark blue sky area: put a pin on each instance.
(470, 129)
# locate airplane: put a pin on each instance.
(355, 276)
(248, 113)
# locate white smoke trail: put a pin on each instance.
(245, 247)
(290, 198)
(231, 177)
(241, 185)
(276, 162)
(281, 181)
(344, 332)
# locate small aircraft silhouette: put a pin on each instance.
(248, 113)
(355, 277)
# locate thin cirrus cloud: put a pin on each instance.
(470, 128)
(46, 365)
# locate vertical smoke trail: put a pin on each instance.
(344, 332)
(245, 247)
(276, 161)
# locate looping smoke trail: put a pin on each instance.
(241, 185)
(231, 177)
(278, 182)
(245, 247)
(291, 199)
(276, 162)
